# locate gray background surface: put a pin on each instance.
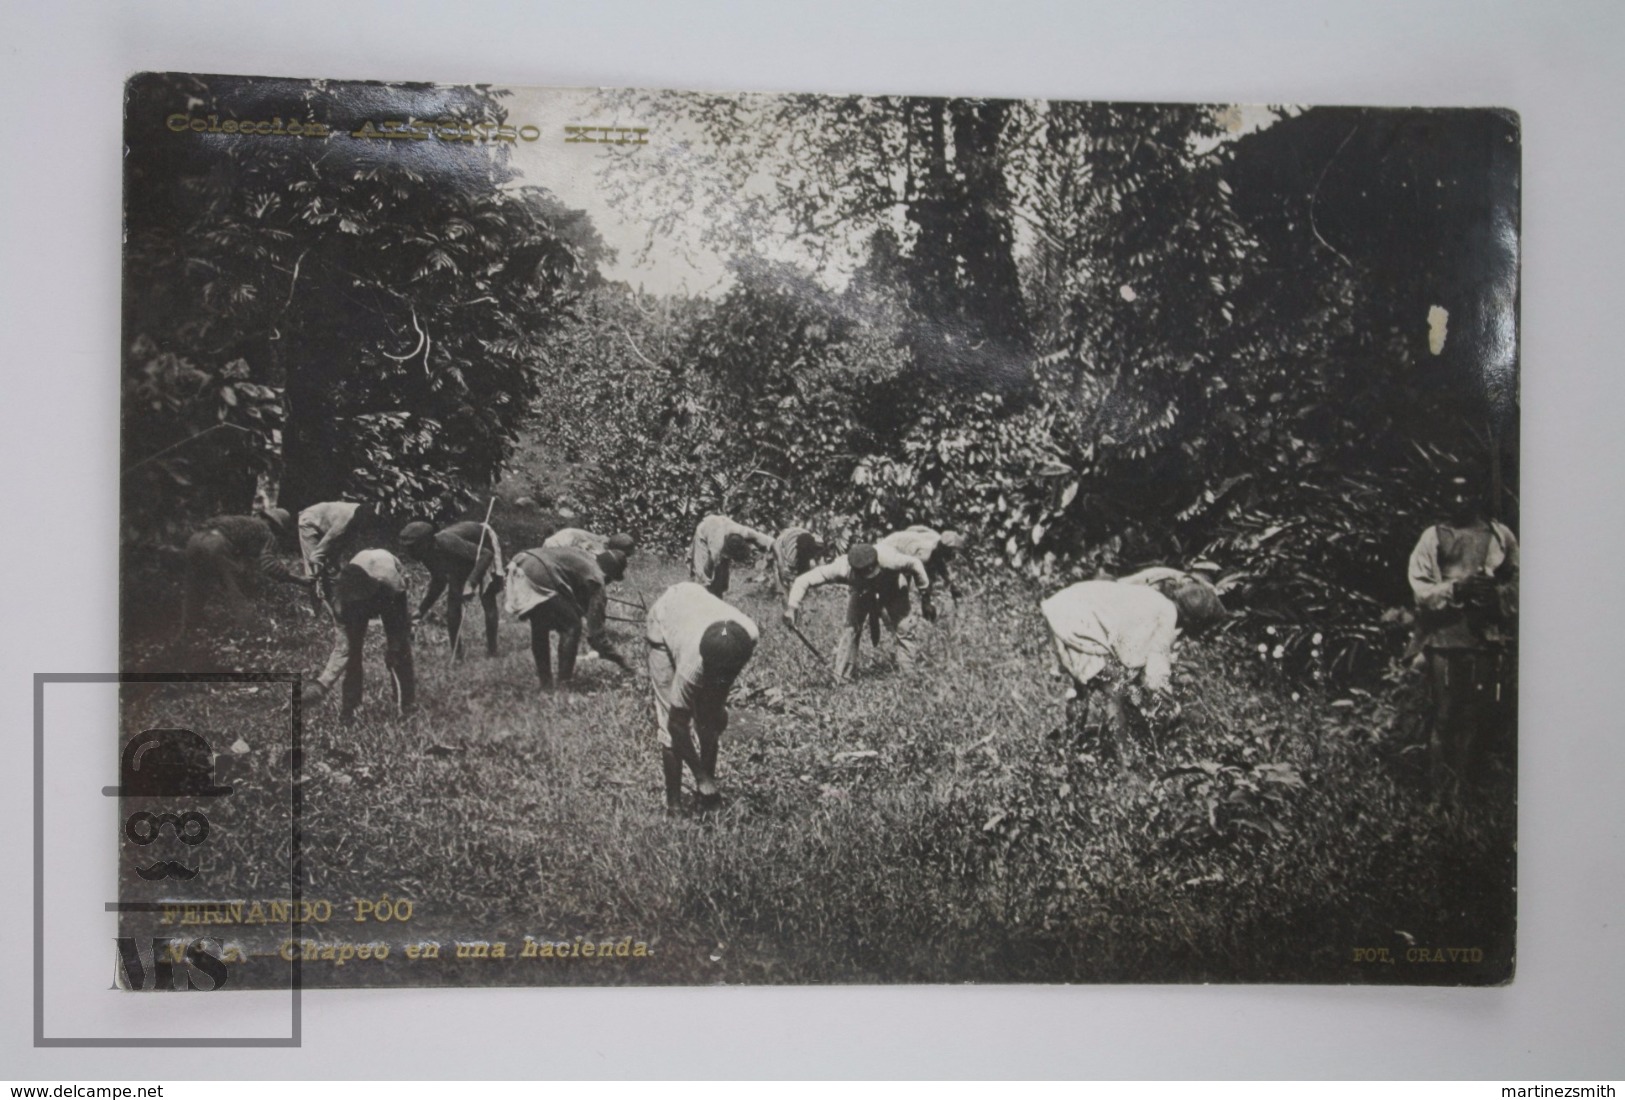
(1558, 64)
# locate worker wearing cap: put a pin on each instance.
(370, 585)
(227, 551)
(935, 549)
(1109, 636)
(560, 590)
(592, 542)
(329, 533)
(794, 552)
(464, 560)
(719, 541)
(1464, 577)
(613, 564)
(697, 646)
(878, 580)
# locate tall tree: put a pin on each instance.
(392, 292)
(1142, 259)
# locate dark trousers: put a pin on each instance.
(721, 572)
(454, 618)
(1469, 702)
(556, 616)
(870, 609)
(346, 658)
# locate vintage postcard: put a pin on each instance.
(618, 537)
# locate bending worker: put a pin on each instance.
(794, 552)
(1107, 635)
(1195, 598)
(697, 646)
(877, 580)
(719, 541)
(934, 549)
(227, 551)
(590, 541)
(560, 590)
(370, 585)
(612, 564)
(329, 534)
(464, 559)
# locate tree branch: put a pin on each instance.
(177, 446)
(644, 359)
(293, 280)
(423, 345)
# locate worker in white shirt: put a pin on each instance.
(878, 579)
(697, 646)
(935, 549)
(1109, 636)
(1464, 576)
(329, 534)
(794, 552)
(1194, 596)
(718, 543)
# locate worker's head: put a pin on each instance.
(623, 542)
(280, 519)
(736, 547)
(807, 549)
(864, 560)
(1200, 608)
(416, 537)
(613, 564)
(1466, 502)
(724, 648)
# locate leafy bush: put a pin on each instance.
(191, 434)
(1217, 802)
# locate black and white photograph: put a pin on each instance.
(1239, 377)
(759, 539)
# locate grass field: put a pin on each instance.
(931, 828)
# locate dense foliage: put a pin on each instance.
(1094, 336)
(385, 299)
